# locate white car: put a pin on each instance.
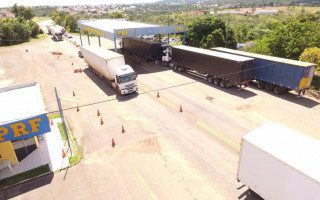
(69, 36)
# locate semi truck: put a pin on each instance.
(57, 32)
(277, 74)
(218, 68)
(279, 163)
(49, 28)
(146, 50)
(111, 67)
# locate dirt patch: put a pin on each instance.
(210, 98)
(313, 93)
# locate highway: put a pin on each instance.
(164, 153)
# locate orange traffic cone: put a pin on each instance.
(101, 122)
(181, 108)
(74, 94)
(123, 131)
(98, 113)
(113, 143)
(51, 122)
(63, 154)
(158, 95)
(78, 109)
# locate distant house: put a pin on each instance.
(5, 13)
(230, 12)
(199, 13)
(265, 12)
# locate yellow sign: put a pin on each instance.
(24, 128)
(180, 28)
(122, 33)
(92, 30)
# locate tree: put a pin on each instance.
(21, 11)
(116, 14)
(290, 40)
(209, 31)
(34, 28)
(311, 55)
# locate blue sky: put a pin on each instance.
(9, 3)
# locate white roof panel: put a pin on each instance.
(295, 149)
(214, 53)
(101, 52)
(264, 57)
(109, 25)
(20, 102)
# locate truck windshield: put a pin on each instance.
(128, 78)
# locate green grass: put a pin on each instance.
(54, 116)
(77, 156)
(40, 19)
(23, 176)
(63, 136)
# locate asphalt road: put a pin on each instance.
(164, 153)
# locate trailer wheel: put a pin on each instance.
(277, 90)
(175, 68)
(216, 81)
(269, 86)
(261, 85)
(181, 69)
(223, 83)
(210, 79)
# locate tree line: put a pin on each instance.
(19, 29)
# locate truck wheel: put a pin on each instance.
(277, 90)
(223, 83)
(261, 85)
(210, 79)
(181, 69)
(269, 86)
(216, 81)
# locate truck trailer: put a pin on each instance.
(218, 68)
(111, 67)
(57, 32)
(277, 74)
(146, 50)
(278, 163)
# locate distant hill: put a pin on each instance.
(246, 2)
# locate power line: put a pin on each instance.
(121, 98)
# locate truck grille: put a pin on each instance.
(130, 86)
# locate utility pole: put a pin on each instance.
(226, 45)
(168, 25)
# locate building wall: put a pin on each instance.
(7, 152)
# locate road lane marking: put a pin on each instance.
(218, 135)
(155, 95)
(143, 182)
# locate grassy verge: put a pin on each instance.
(23, 176)
(55, 116)
(77, 154)
(40, 19)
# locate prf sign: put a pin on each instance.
(25, 128)
(123, 33)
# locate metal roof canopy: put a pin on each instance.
(117, 28)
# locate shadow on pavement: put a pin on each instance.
(108, 90)
(236, 91)
(100, 82)
(302, 101)
(27, 186)
(249, 195)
